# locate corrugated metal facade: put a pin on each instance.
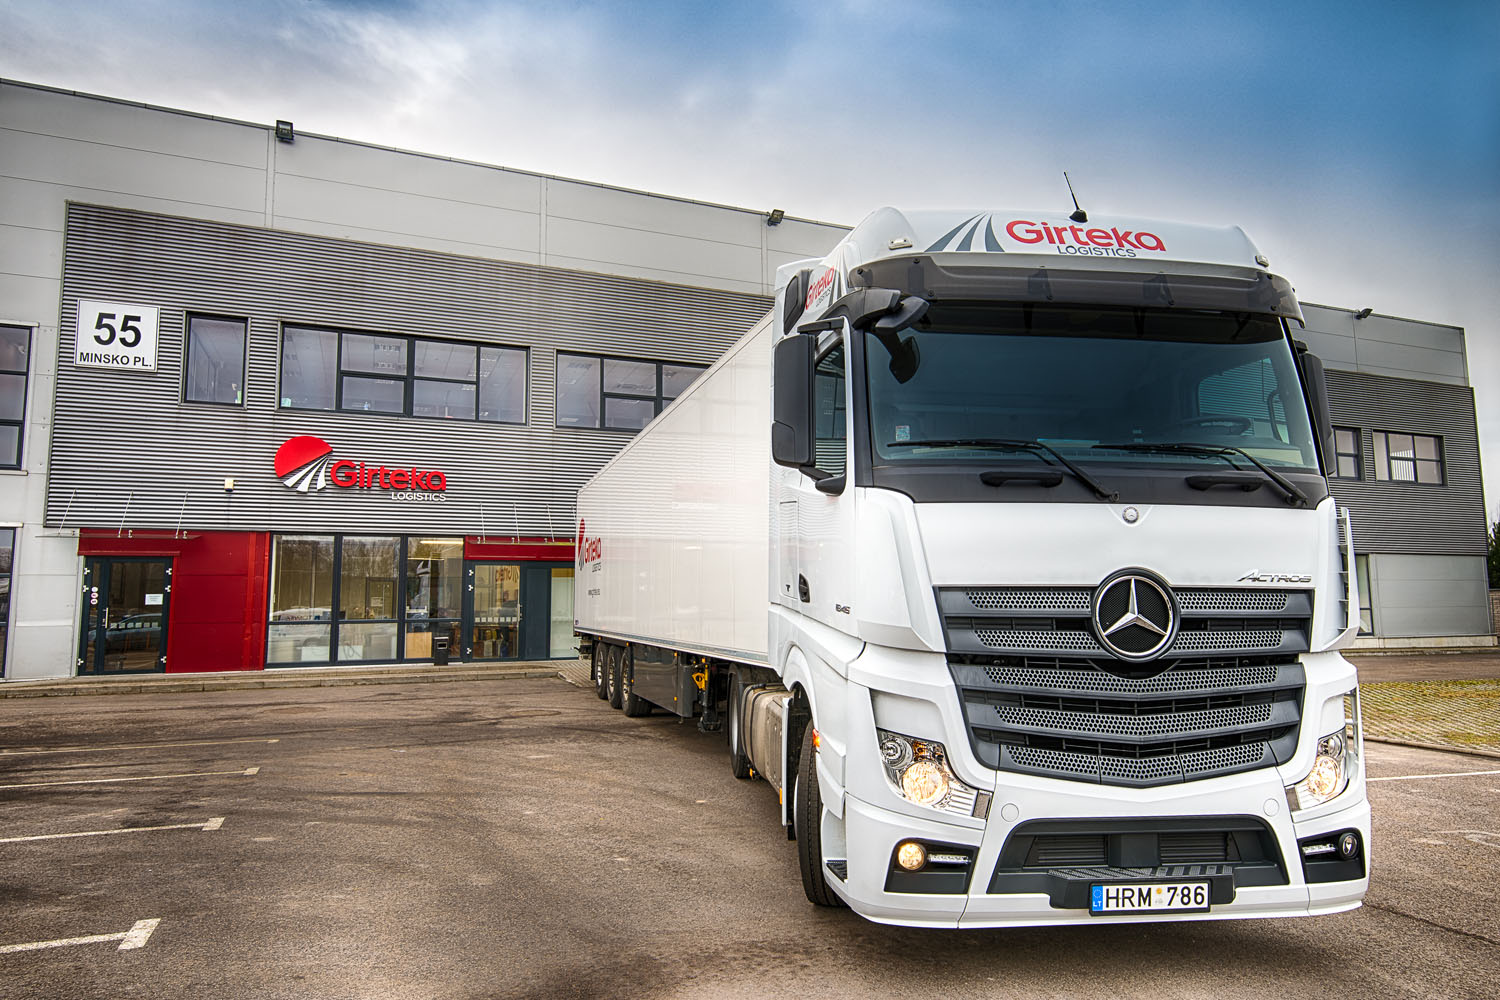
(1411, 518)
(126, 450)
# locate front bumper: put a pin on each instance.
(872, 834)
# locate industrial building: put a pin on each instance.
(271, 399)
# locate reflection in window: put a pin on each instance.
(1347, 463)
(831, 433)
(625, 393)
(309, 367)
(7, 553)
(301, 599)
(402, 375)
(215, 362)
(1408, 458)
(561, 641)
(434, 594)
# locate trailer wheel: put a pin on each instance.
(739, 763)
(616, 654)
(601, 670)
(807, 818)
(634, 705)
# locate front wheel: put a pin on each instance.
(807, 818)
(739, 762)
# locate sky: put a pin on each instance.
(1357, 143)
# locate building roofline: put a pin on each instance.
(7, 82)
(1400, 319)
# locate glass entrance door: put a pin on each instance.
(125, 605)
(495, 623)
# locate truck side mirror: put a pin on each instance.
(1315, 386)
(791, 401)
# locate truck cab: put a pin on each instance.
(1057, 587)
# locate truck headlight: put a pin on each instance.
(918, 771)
(1331, 767)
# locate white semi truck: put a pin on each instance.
(1003, 549)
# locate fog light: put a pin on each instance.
(1348, 845)
(911, 855)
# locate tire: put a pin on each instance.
(601, 670)
(739, 763)
(616, 655)
(634, 705)
(807, 819)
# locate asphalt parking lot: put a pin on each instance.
(519, 839)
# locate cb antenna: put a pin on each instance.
(1079, 215)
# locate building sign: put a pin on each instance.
(116, 335)
(306, 463)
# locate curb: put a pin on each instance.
(190, 683)
(1470, 751)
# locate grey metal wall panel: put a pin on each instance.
(603, 206)
(115, 124)
(1429, 595)
(1385, 345)
(138, 171)
(127, 451)
(1392, 517)
(381, 169)
(400, 217)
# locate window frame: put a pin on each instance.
(659, 400)
(410, 379)
(1358, 454)
(1383, 468)
(20, 423)
(187, 355)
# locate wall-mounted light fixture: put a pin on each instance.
(229, 486)
(1364, 313)
(284, 131)
(774, 219)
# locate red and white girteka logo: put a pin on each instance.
(305, 463)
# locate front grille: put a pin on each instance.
(1041, 695)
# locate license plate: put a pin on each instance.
(1148, 897)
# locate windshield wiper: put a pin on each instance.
(1293, 494)
(1013, 444)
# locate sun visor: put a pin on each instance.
(1186, 286)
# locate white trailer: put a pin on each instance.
(1003, 550)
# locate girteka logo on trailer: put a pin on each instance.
(305, 463)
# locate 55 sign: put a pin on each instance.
(116, 335)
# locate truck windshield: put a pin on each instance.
(1073, 377)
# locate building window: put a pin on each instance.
(214, 366)
(1347, 462)
(621, 394)
(1408, 458)
(403, 376)
(7, 550)
(15, 357)
(301, 599)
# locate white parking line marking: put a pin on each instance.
(140, 746)
(148, 777)
(1414, 777)
(213, 824)
(139, 933)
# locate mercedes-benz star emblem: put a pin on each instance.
(1134, 615)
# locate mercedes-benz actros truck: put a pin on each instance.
(1003, 550)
